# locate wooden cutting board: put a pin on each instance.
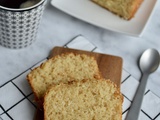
(110, 66)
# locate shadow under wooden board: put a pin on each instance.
(110, 66)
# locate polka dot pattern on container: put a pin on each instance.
(18, 29)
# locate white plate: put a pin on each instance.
(92, 13)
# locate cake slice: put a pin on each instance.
(123, 8)
(84, 100)
(61, 68)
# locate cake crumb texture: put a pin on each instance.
(123, 8)
(62, 68)
(84, 100)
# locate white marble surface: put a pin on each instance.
(57, 28)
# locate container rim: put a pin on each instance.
(22, 9)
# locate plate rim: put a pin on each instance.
(139, 34)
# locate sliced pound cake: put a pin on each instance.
(83, 100)
(123, 8)
(62, 68)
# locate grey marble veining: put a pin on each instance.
(57, 28)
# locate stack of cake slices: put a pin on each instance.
(70, 86)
